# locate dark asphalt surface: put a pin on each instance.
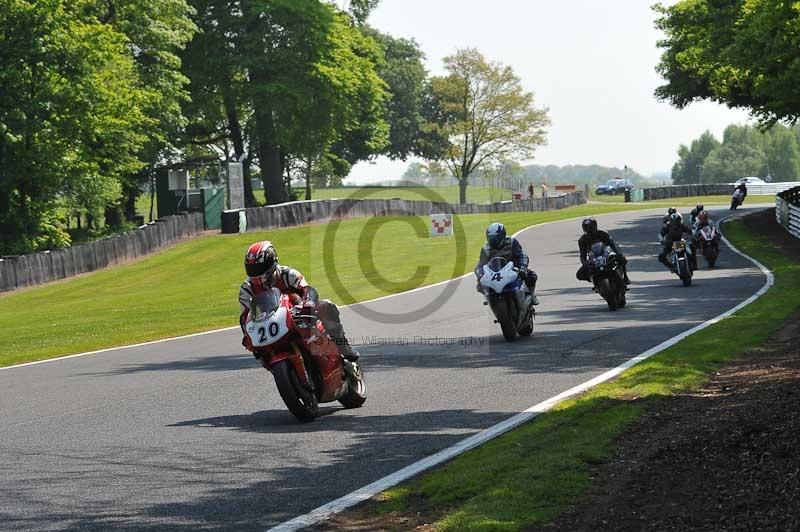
(192, 435)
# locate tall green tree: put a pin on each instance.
(311, 78)
(157, 31)
(218, 110)
(73, 116)
(485, 115)
(691, 159)
(783, 155)
(729, 162)
(741, 53)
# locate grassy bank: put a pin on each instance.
(536, 471)
(193, 286)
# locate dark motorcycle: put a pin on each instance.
(508, 297)
(680, 261)
(605, 272)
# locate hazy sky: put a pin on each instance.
(591, 62)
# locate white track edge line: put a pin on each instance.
(370, 490)
(212, 331)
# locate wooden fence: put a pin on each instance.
(46, 266)
(302, 212)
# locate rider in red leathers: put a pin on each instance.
(264, 273)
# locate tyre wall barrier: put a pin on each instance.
(303, 212)
(46, 266)
(787, 210)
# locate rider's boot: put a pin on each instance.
(530, 282)
(345, 349)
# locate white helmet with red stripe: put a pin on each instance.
(261, 261)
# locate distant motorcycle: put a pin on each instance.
(708, 241)
(680, 261)
(508, 297)
(305, 362)
(605, 272)
(737, 199)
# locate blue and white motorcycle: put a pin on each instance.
(508, 296)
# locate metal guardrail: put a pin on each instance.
(787, 210)
(770, 188)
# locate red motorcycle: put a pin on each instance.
(308, 369)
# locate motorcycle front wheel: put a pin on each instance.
(608, 293)
(301, 401)
(504, 311)
(711, 256)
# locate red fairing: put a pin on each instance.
(322, 354)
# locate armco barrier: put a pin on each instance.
(787, 210)
(46, 266)
(686, 191)
(302, 212)
(715, 189)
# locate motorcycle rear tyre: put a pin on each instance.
(356, 390)
(301, 402)
(527, 329)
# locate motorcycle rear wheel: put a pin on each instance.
(300, 401)
(356, 388)
(527, 329)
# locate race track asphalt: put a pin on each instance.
(191, 434)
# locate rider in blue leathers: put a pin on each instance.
(508, 247)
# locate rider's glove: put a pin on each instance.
(247, 342)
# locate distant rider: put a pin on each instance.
(264, 273)
(741, 187)
(695, 212)
(672, 232)
(509, 248)
(591, 235)
(702, 221)
(669, 213)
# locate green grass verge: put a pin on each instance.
(193, 286)
(534, 472)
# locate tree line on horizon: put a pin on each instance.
(510, 171)
(745, 150)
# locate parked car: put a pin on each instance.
(750, 181)
(614, 186)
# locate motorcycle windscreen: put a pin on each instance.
(265, 303)
(497, 264)
(597, 250)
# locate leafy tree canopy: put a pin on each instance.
(483, 114)
(741, 53)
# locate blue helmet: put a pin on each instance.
(495, 235)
